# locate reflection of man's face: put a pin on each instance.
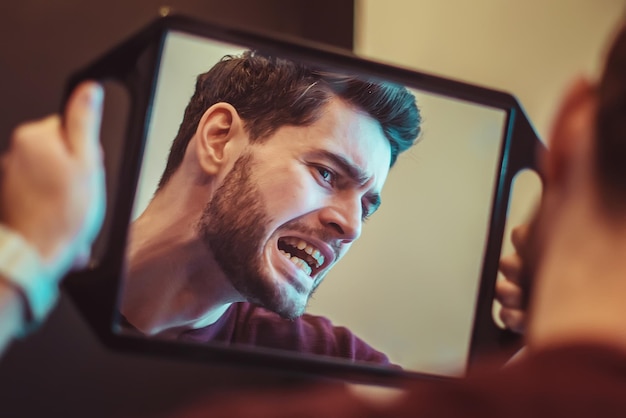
(292, 206)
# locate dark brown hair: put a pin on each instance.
(270, 92)
(611, 126)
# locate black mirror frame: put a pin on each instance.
(135, 65)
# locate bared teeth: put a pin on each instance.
(302, 245)
(303, 265)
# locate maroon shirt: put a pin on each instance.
(246, 323)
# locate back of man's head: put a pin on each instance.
(270, 92)
(611, 127)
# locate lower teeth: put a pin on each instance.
(298, 262)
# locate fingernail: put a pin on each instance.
(95, 95)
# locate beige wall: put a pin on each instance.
(530, 48)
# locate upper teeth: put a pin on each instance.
(316, 256)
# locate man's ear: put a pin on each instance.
(573, 132)
(218, 128)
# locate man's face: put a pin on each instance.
(292, 206)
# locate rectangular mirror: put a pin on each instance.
(228, 252)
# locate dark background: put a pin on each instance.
(63, 370)
(43, 41)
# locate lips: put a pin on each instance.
(304, 255)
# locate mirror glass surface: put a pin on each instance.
(408, 286)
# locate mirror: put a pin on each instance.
(409, 285)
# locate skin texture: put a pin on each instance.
(298, 193)
(316, 183)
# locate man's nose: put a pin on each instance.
(344, 218)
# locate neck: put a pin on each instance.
(580, 285)
(173, 283)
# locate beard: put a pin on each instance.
(233, 227)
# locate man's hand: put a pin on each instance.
(52, 189)
(509, 290)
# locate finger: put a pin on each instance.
(509, 294)
(519, 237)
(511, 267)
(82, 118)
(513, 319)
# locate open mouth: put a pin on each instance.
(302, 254)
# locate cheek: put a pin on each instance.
(291, 196)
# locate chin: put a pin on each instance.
(291, 314)
(285, 293)
(288, 307)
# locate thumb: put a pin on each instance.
(82, 118)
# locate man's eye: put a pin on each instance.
(327, 175)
